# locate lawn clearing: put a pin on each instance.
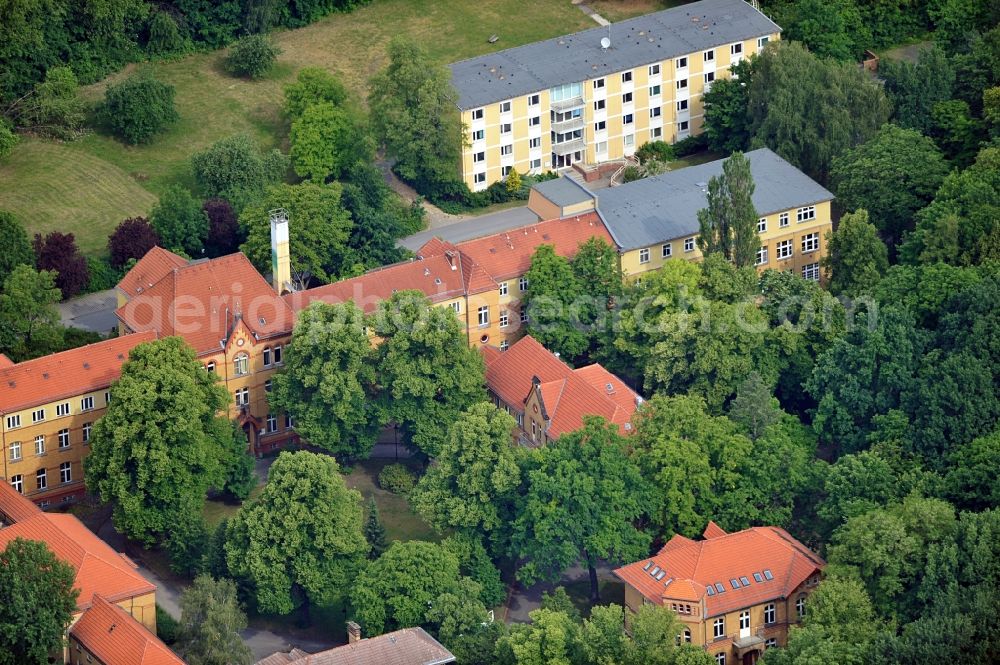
(401, 523)
(89, 186)
(619, 10)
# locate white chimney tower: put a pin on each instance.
(281, 268)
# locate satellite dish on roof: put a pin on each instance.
(605, 43)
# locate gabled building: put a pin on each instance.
(581, 100)
(48, 407)
(735, 593)
(107, 635)
(655, 219)
(548, 398)
(409, 646)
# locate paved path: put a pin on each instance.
(94, 312)
(600, 20)
(522, 601)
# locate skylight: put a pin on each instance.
(768, 575)
(736, 585)
(719, 588)
(649, 564)
(757, 578)
(660, 575)
(745, 581)
(709, 590)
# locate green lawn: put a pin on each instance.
(619, 10)
(401, 523)
(89, 186)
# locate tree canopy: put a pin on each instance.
(857, 258)
(728, 225)
(211, 622)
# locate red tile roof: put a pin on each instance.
(201, 301)
(66, 374)
(98, 568)
(567, 394)
(5, 361)
(149, 270)
(111, 634)
(683, 568)
(15, 506)
(409, 646)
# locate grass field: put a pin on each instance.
(90, 185)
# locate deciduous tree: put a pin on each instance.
(211, 622)
(58, 252)
(131, 240)
(29, 321)
(223, 228)
(754, 407)
(728, 225)
(829, 29)
(327, 140)
(554, 303)
(139, 107)
(180, 222)
(300, 542)
(857, 258)
(914, 88)
(237, 169)
(313, 85)
(252, 56)
(15, 248)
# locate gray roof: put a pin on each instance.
(646, 212)
(409, 646)
(578, 57)
(564, 191)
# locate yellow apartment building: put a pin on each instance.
(736, 594)
(48, 407)
(596, 96)
(655, 219)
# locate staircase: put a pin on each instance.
(627, 162)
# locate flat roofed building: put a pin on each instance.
(736, 594)
(565, 101)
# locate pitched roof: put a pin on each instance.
(5, 361)
(683, 568)
(14, 506)
(150, 269)
(97, 567)
(111, 634)
(202, 300)
(409, 646)
(652, 210)
(67, 373)
(579, 57)
(567, 394)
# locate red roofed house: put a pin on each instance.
(48, 407)
(107, 634)
(736, 593)
(548, 398)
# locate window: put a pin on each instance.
(210, 366)
(505, 171)
(503, 288)
(681, 63)
(655, 112)
(242, 397)
(626, 77)
(600, 125)
(505, 128)
(272, 423)
(769, 613)
(800, 606)
(656, 133)
(783, 220)
(268, 385)
(654, 70)
(535, 164)
(479, 135)
(535, 121)
(63, 438)
(811, 272)
(629, 140)
(107, 397)
(504, 107)
(682, 83)
(13, 422)
(504, 319)
(687, 635)
(87, 404)
(87, 429)
(477, 114)
(484, 315)
(38, 415)
(709, 77)
(15, 451)
(600, 105)
(241, 364)
(289, 421)
(689, 244)
(682, 105)
(667, 251)
(762, 42)
(598, 83)
(735, 583)
(62, 409)
(40, 444)
(628, 119)
(533, 100)
(805, 214)
(757, 578)
(644, 255)
(506, 150)
(709, 56)
(267, 356)
(524, 315)
(762, 225)
(478, 157)
(65, 472)
(479, 178)
(627, 98)
(277, 355)
(41, 480)
(522, 283)
(720, 659)
(810, 242)
(601, 147)
(457, 306)
(784, 249)
(736, 49)
(683, 125)
(535, 142)
(767, 575)
(745, 620)
(762, 255)
(719, 627)
(17, 482)
(504, 345)
(770, 643)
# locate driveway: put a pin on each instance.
(94, 312)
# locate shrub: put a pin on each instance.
(8, 139)
(139, 107)
(180, 222)
(397, 479)
(236, 169)
(313, 86)
(252, 56)
(102, 275)
(55, 108)
(164, 37)
(58, 252)
(513, 182)
(691, 145)
(655, 150)
(632, 173)
(166, 626)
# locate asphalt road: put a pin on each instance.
(94, 312)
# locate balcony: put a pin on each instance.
(751, 642)
(566, 147)
(567, 104)
(563, 126)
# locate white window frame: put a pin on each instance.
(682, 84)
(800, 606)
(626, 77)
(598, 83)
(628, 118)
(666, 250)
(38, 415)
(483, 315)
(63, 437)
(644, 255)
(477, 114)
(745, 620)
(87, 430)
(627, 97)
(522, 284)
(65, 473)
(17, 482)
(600, 125)
(736, 49)
(654, 69)
(811, 272)
(784, 250)
(505, 106)
(271, 423)
(457, 306)
(505, 128)
(683, 126)
(507, 150)
(62, 409)
(534, 100)
(241, 365)
(719, 628)
(42, 479)
(87, 404)
(40, 444)
(783, 220)
(681, 63)
(708, 56)
(761, 256)
(503, 288)
(655, 112)
(682, 105)
(810, 242)
(267, 356)
(13, 422)
(535, 142)
(504, 318)
(805, 214)
(689, 244)
(15, 451)
(770, 614)
(762, 225)
(504, 345)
